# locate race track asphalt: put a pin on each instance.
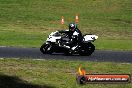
(98, 55)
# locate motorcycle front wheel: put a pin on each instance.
(46, 49)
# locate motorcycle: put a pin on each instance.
(56, 41)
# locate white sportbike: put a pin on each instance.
(55, 43)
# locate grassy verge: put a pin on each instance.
(27, 23)
(56, 74)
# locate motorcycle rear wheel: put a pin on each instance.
(68, 52)
(87, 49)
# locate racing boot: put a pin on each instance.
(74, 48)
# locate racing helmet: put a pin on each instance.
(72, 26)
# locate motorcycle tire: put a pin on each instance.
(87, 49)
(68, 53)
(44, 49)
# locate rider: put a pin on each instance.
(75, 36)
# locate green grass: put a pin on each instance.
(20, 39)
(56, 74)
(33, 20)
(114, 44)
